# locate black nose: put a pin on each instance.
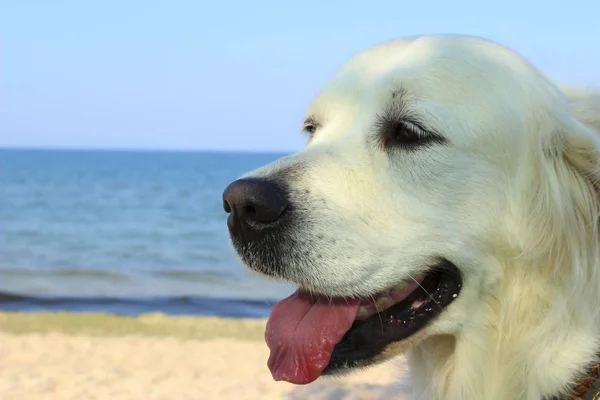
(253, 204)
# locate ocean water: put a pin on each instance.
(125, 232)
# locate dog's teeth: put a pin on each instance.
(398, 290)
(384, 302)
(418, 304)
(362, 312)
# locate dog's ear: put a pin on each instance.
(563, 199)
(566, 206)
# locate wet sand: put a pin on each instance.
(100, 356)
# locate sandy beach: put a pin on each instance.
(100, 356)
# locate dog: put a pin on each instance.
(446, 206)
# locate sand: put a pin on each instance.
(96, 356)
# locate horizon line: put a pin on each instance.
(149, 149)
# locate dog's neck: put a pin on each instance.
(528, 340)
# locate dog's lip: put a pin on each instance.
(304, 328)
(367, 338)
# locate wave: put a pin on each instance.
(134, 306)
(195, 275)
(189, 275)
(64, 273)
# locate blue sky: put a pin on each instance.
(236, 74)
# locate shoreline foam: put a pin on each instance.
(138, 305)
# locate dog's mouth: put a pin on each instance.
(311, 335)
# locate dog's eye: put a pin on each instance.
(406, 135)
(309, 128)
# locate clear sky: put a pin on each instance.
(194, 74)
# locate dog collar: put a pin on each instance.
(588, 388)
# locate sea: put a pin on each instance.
(125, 232)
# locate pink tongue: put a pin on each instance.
(302, 332)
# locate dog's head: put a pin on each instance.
(430, 162)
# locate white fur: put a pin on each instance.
(511, 200)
